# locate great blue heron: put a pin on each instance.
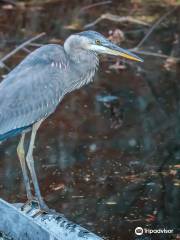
(33, 90)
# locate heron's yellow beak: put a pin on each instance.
(112, 49)
(123, 53)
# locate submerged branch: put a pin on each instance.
(95, 5)
(135, 50)
(154, 26)
(115, 18)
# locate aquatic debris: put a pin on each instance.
(106, 98)
(111, 203)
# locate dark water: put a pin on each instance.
(109, 157)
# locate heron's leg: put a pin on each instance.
(30, 163)
(21, 155)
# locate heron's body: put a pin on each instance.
(33, 90)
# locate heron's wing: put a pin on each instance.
(33, 89)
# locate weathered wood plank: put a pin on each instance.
(20, 225)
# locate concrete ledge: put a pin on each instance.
(20, 225)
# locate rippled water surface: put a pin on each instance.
(108, 158)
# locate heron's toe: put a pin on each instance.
(34, 208)
(44, 209)
(30, 204)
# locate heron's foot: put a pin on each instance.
(38, 207)
(30, 203)
(33, 203)
(43, 209)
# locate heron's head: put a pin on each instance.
(96, 42)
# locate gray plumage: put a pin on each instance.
(32, 91)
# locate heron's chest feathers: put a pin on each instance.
(85, 67)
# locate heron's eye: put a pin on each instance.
(98, 42)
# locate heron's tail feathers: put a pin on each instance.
(13, 133)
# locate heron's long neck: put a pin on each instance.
(85, 64)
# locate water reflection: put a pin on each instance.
(108, 158)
